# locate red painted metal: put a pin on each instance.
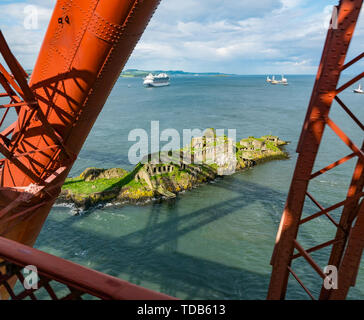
(85, 48)
(51, 270)
(347, 244)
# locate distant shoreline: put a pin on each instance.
(135, 73)
(142, 74)
(139, 73)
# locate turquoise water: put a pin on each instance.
(214, 242)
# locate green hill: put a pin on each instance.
(135, 73)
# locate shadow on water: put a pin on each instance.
(156, 244)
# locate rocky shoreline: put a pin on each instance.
(164, 179)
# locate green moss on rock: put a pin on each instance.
(96, 185)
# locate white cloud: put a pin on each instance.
(25, 43)
(289, 4)
(199, 32)
(208, 35)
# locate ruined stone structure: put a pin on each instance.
(150, 170)
(208, 150)
(174, 172)
(273, 139)
(258, 144)
(255, 144)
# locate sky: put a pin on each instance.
(229, 36)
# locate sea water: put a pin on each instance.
(215, 241)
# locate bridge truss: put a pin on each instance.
(57, 108)
(348, 242)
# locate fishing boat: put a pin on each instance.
(274, 81)
(283, 81)
(359, 90)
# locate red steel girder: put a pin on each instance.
(350, 260)
(77, 66)
(75, 277)
(317, 118)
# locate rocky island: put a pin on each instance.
(202, 161)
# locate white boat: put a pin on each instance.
(269, 79)
(283, 81)
(160, 80)
(359, 89)
(274, 81)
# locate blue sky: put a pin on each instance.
(231, 36)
